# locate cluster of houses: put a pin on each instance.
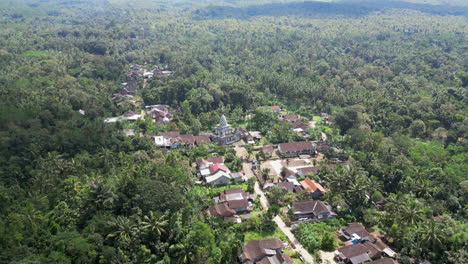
(297, 123)
(137, 71)
(130, 115)
(176, 140)
(229, 203)
(213, 171)
(224, 134)
(363, 247)
(160, 113)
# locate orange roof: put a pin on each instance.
(312, 185)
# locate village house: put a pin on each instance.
(129, 88)
(238, 176)
(313, 209)
(275, 108)
(291, 118)
(267, 151)
(296, 148)
(361, 245)
(225, 134)
(174, 140)
(230, 202)
(265, 251)
(314, 188)
(213, 171)
(161, 73)
(160, 113)
(289, 186)
(354, 253)
(221, 210)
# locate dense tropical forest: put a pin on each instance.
(392, 75)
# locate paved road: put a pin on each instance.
(287, 231)
(263, 199)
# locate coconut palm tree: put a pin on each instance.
(125, 229)
(432, 234)
(156, 224)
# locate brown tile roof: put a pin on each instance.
(353, 250)
(312, 185)
(221, 210)
(300, 124)
(313, 206)
(296, 146)
(311, 169)
(355, 228)
(287, 185)
(267, 149)
(188, 139)
(171, 134)
(291, 118)
(236, 204)
(373, 250)
(258, 249)
(202, 139)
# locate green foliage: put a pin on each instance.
(318, 235)
(75, 190)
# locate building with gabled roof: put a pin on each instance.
(314, 188)
(296, 148)
(265, 251)
(312, 209)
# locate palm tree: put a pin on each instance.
(155, 223)
(411, 212)
(125, 229)
(182, 253)
(432, 234)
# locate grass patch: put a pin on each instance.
(317, 119)
(244, 186)
(34, 53)
(254, 235)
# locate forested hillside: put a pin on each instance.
(74, 189)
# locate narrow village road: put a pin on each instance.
(286, 230)
(299, 248)
(263, 199)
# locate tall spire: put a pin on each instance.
(223, 121)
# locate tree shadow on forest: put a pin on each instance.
(322, 9)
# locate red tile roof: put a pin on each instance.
(218, 166)
(312, 185)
